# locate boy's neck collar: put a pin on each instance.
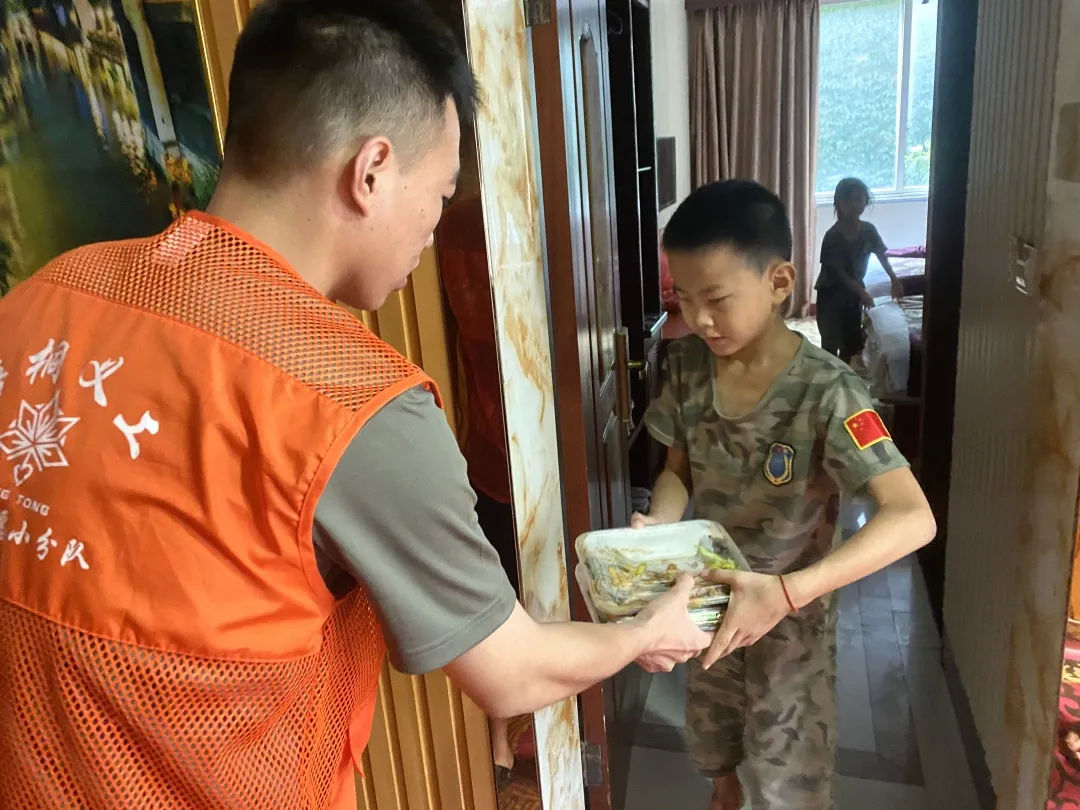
(777, 345)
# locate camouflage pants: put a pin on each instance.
(770, 710)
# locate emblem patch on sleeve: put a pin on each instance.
(866, 429)
(780, 464)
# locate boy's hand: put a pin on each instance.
(640, 521)
(673, 636)
(867, 298)
(757, 605)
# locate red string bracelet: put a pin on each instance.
(787, 595)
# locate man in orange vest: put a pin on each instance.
(220, 493)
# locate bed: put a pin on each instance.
(892, 359)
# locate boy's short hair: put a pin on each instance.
(737, 214)
(311, 77)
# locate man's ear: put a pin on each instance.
(367, 171)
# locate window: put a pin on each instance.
(876, 94)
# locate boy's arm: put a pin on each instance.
(671, 493)
(664, 421)
(902, 524)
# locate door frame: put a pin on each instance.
(954, 93)
(560, 160)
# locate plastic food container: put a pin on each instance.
(622, 570)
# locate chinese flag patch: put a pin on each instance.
(866, 429)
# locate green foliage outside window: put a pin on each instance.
(859, 88)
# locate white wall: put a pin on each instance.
(901, 224)
(671, 88)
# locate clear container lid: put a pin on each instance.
(622, 570)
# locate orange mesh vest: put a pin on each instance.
(170, 412)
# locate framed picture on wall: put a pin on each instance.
(109, 124)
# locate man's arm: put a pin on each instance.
(525, 665)
(397, 518)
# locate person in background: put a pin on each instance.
(463, 269)
(224, 498)
(764, 431)
(845, 256)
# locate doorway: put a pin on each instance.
(602, 171)
(600, 207)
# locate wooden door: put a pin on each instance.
(605, 360)
(573, 108)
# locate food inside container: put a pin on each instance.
(622, 570)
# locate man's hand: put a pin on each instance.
(640, 521)
(866, 298)
(674, 638)
(757, 605)
(897, 289)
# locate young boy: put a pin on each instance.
(765, 430)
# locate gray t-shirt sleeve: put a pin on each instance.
(398, 517)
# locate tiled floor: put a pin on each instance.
(900, 747)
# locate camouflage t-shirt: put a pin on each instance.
(773, 476)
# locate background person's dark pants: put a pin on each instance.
(497, 522)
(840, 322)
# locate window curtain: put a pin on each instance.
(753, 107)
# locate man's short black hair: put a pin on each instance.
(736, 214)
(313, 76)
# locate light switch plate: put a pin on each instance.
(1025, 266)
